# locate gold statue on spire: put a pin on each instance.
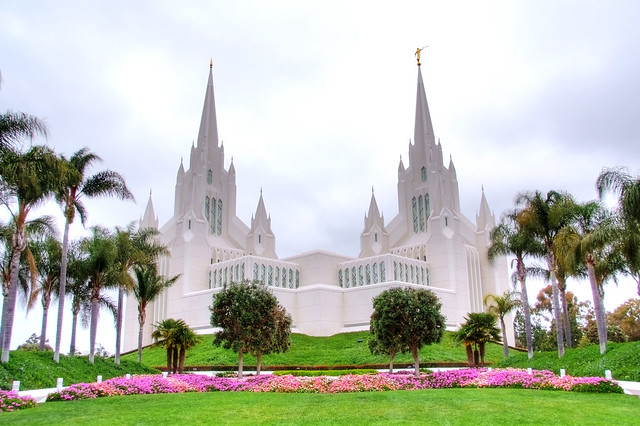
(211, 64)
(418, 50)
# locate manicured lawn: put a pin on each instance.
(441, 406)
(340, 349)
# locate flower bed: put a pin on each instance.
(11, 401)
(474, 378)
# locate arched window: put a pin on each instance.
(277, 280)
(270, 276)
(290, 278)
(354, 277)
(368, 274)
(206, 207)
(255, 271)
(346, 278)
(375, 272)
(383, 272)
(424, 174)
(360, 276)
(212, 220)
(209, 176)
(340, 283)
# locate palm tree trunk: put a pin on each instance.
(183, 355)
(504, 337)
(598, 307)
(93, 328)
(62, 290)
(74, 327)
(141, 320)
(555, 301)
(562, 287)
(116, 357)
(526, 309)
(175, 359)
(10, 300)
(43, 328)
(470, 359)
(481, 350)
(240, 353)
(169, 360)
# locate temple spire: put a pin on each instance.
(208, 134)
(423, 133)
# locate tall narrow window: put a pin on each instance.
(427, 205)
(259, 239)
(421, 213)
(209, 177)
(255, 271)
(360, 276)
(346, 278)
(383, 272)
(424, 174)
(206, 207)
(277, 278)
(340, 282)
(219, 219)
(414, 208)
(368, 274)
(375, 272)
(212, 221)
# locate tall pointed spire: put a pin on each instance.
(149, 220)
(485, 219)
(208, 134)
(423, 133)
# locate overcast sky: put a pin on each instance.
(316, 99)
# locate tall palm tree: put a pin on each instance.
(26, 180)
(500, 306)
(148, 286)
(510, 239)
(589, 241)
(98, 264)
(47, 254)
(544, 216)
(627, 187)
(186, 338)
(135, 248)
(77, 186)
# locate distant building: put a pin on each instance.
(428, 244)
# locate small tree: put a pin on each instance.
(479, 329)
(166, 331)
(406, 319)
(251, 320)
(386, 325)
(501, 306)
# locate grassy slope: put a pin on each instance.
(436, 406)
(623, 359)
(37, 370)
(340, 349)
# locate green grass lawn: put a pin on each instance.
(440, 406)
(340, 349)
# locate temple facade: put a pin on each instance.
(428, 244)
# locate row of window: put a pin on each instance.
(213, 213)
(368, 274)
(421, 208)
(268, 274)
(362, 276)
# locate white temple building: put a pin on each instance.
(428, 244)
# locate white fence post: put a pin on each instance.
(15, 386)
(59, 384)
(164, 374)
(99, 379)
(530, 371)
(562, 372)
(128, 376)
(607, 374)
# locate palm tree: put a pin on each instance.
(47, 254)
(627, 187)
(501, 306)
(27, 180)
(589, 242)
(186, 338)
(509, 238)
(135, 248)
(98, 264)
(148, 286)
(77, 186)
(479, 328)
(165, 332)
(15, 126)
(544, 216)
